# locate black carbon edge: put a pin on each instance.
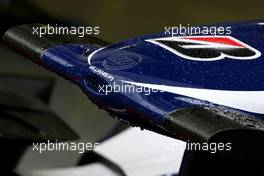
(202, 124)
(22, 40)
(211, 125)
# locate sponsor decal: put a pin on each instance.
(121, 60)
(101, 73)
(207, 48)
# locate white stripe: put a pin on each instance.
(91, 55)
(251, 101)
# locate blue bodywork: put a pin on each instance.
(138, 60)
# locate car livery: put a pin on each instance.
(220, 76)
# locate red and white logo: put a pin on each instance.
(207, 48)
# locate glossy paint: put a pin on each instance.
(229, 84)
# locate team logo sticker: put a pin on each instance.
(207, 48)
(121, 60)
